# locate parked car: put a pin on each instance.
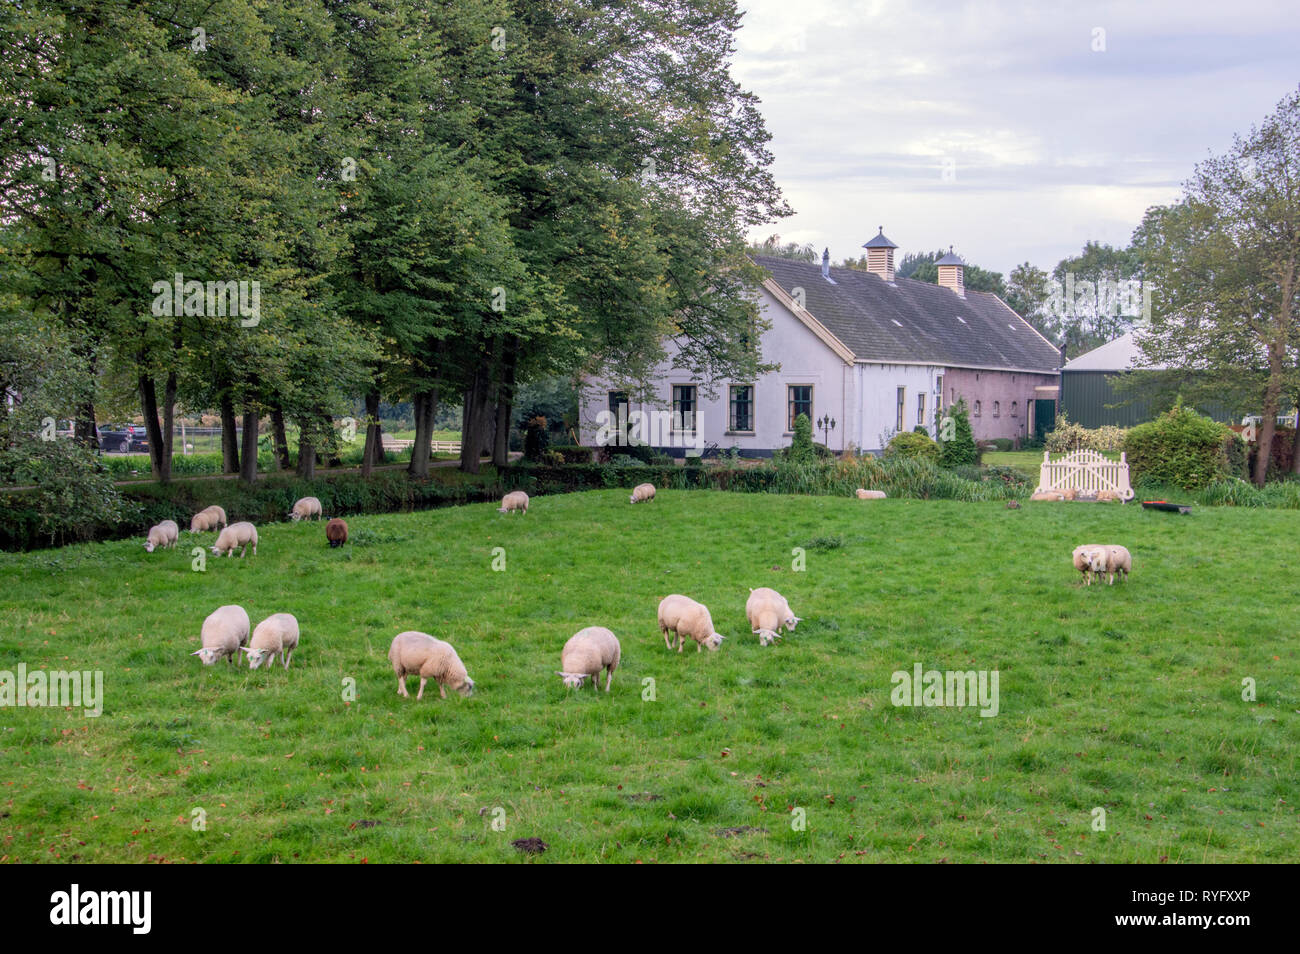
(123, 439)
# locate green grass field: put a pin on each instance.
(1126, 698)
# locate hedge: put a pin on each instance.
(1182, 449)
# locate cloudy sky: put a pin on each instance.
(1013, 131)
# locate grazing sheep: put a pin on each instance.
(587, 652)
(277, 633)
(420, 654)
(1118, 561)
(242, 535)
(685, 617)
(223, 633)
(209, 518)
(336, 532)
(1106, 496)
(768, 611)
(870, 494)
(642, 493)
(1013, 504)
(1047, 495)
(305, 507)
(162, 535)
(1089, 559)
(515, 500)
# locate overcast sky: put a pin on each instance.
(994, 126)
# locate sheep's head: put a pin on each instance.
(714, 642)
(295, 516)
(1096, 560)
(208, 655)
(766, 637)
(257, 656)
(791, 621)
(466, 688)
(216, 550)
(572, 680)
(148, 546)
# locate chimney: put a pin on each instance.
(826, 263)
(951, 273)
(880, 256)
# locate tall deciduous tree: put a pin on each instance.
(1225, 263)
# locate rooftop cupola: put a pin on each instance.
(880, 256)
(952, 273)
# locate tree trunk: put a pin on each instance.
(1268, 426)
(374, 450)
(478, 415)
(306, 455)
(85, 432)
(248, 468)
(505, 405)
(425, 407)
(160, 435)
(229, 437)
(279, 439)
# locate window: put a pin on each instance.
(618, 407)
(979, 408)
(684, 407)
(902, 399)
(920, 408)
(742, 408)
(799, 400)
(1015, 407)
(938, 392)
(997, 409)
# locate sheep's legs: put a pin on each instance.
(401, 686)
(287, 657)
(609, 677)
(442, 690)
(667, 641)
(420, 695)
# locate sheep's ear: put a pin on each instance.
(197, 652)
(755, 630)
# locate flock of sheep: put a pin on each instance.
(588, 653)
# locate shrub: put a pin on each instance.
(573, 453)
(1003, 444)
(1180, 448)
(536, 438)
(912, 444)
(959, 448)
(1069, 436)
(801, 449)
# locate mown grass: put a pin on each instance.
(1127, 698)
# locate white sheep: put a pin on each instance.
(209, 518)
(685, 617)
(242, 535)
(223, 633)
(278, 633)
(162, 535)
(515, 500)
(870, 494)
(768, 611)
(420, 654)
(1054, 495)
(642, 493)
(304, 508)
(587, 652)
(1090, 560)
(1118, 561)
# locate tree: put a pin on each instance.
(801, 444)
(1087, 296)
(956, 440)
(1225, 264)
(1028, 296)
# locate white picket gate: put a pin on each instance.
(1085, 471)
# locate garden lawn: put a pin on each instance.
(1126, 698)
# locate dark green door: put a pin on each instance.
(1044, 418)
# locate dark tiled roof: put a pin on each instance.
(911, 321)
(880, 241)
(950, 259)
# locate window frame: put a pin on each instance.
(920, 408)
(977, 409)
(790, 413)
(731, 408)
(676, 416)
(997, 409)
(901, 411)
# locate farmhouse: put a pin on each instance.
(871, 352)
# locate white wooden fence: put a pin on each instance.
(438, 447)
(1085, 471)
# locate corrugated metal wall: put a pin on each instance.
(1085, 394)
